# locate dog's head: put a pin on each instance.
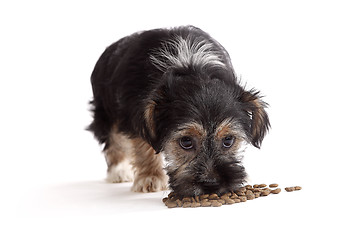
(202, 123)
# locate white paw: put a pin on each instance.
(122, 172)
(150, 184)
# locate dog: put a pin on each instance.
(171, 95)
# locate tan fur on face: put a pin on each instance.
(192, 129)
(183, 165)
(178, 157)
(224, 129)
(229, 128)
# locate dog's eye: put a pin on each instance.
(186, 143)
(228, 141)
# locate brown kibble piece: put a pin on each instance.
(225, 196)
(213, 196)
(165, 199)
(229, 201)
(257, 194)
(186, 199)
(289, 189)
(273, 185)
(204, 196)
(243, 198)
(171, 204)
(186, 204)
(234, 196)
(195, 204)
(215, 203)
(205, 203)
(297, 188)
(240, 193)
(262, 185)
(250, 195)
(276, 191)
(249, 192)
(266, 192)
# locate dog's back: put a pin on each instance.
(134, 64)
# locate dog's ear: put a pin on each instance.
(255, 109)
(156, 117)
(149, 118)
(150, 129)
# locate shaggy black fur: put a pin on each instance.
(125, 80)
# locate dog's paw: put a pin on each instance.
(122, 172)
(150, 184)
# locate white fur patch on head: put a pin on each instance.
(180, 52)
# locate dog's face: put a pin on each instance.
(203, 127)
(202, 160)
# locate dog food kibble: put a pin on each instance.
(265, 192)
(214, 200)
(186, 204)
(171, 204)
(205, 196)
(243, 198)
(250, 195)
(289, 189)
(215, 203)
(214, 196)
(276, 191)
(205, 203)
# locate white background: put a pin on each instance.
(304, 56)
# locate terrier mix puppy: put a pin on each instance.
(174, 93)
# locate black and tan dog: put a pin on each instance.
(174, 93)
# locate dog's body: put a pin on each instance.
(174, 91)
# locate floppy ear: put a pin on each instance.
(150, 129)
(156, 117)
(149, 118)
(259, 120)
(157, 110)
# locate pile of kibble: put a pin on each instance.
(245, 193)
